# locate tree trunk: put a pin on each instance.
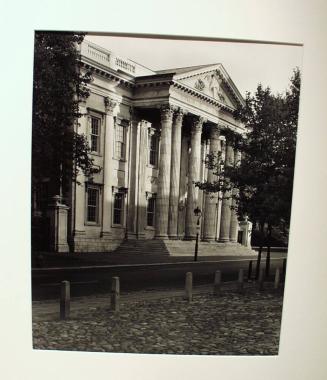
(260, 253)
(268, 251)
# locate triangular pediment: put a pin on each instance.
(212, 81)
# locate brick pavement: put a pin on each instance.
(163, 322)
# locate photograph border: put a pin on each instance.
(303, 333)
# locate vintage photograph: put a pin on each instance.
(162, 182)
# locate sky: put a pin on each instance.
(246, 63)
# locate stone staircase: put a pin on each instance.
(186, 248)
(182, 248)
(151, 247)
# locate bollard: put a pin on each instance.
(257, 270)
(250, 271)
(277, 278)
(284, 268)
(217, 283)
(240, 281)
(65, 300)
(188, 286)
(115, 293)
(261, 279)
(268, 263)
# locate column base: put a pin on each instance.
(173, 237)
(106, 234)
(224, 240)
(141, 236)
(62, 248)
(161, 237)
(209, 239)
(189, 237)
(78, 233)
(131, 236)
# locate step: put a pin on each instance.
(182, 248)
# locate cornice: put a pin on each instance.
(201, 95)
(120, 78)
(162, 80)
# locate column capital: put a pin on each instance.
(179, 113)
(215, 132)
(230, 136)
(197, 124)
(166, 112)
(110, 105)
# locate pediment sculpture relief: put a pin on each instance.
(210, 84)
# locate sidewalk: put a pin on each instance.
(52, 260)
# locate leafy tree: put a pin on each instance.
(264, 176)
(58, 150)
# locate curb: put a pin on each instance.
(145, 265)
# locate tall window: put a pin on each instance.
(118, 208)
(95, 134)
(92, 204)
(120, 142)
(153, 149)
(150, 210)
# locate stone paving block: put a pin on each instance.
(233, 324)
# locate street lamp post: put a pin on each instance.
(197, 213)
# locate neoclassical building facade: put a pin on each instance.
(149, 132)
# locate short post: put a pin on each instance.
(268, 262)
(197, 213)
(240, 281)
(284, 268)
(257, 271)
(261, 279)
(250, 270)
(65, 300)
(196, 247)
(115, 293)
(217, 283)
(188, 286)
(277, 279)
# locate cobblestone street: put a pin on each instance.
(233, 324)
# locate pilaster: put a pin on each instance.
(110, 105)
(133, 168)
(79, 203)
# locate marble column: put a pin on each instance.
(141, 178)
(107, 167)
(133, 177)
(174, 175)
(162, 201)
(225, 222)
(234, 225)
(193, 176)
(211, 199)
(183, 186)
